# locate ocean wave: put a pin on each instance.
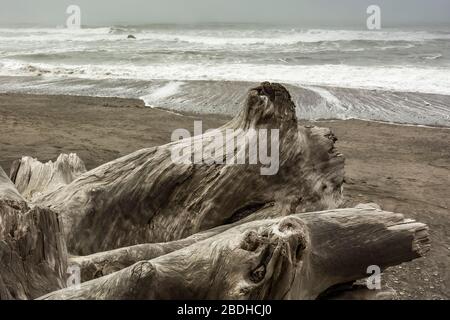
(215, 37)
(183, 69)
(432, 57)
(400, 78)
(56, 30)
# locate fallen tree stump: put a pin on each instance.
(149, 227)
(296, 257)
(33, 256)
(146, 197)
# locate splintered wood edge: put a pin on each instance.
(421, 243)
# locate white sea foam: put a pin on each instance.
(163, 92)
(433, 57)
(398, 78)
(218, 37)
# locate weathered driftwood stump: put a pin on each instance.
(296, 257)
(150, 227)
(33, 257)
(147, 197)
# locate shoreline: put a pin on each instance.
(404, 169)
(140, 103)
(384, 122)
(314, 102)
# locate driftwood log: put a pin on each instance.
(33, 256)
(147, 197)
(296, 257)
(147, 227)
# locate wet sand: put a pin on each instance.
(402, 168)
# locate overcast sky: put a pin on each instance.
(297, 12)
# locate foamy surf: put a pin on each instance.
(389, 75)
(217, 36)
(165, 91)
(394, 78)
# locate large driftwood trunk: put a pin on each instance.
(33, 257)
(153, 228)
(296, 257)
(147, 197)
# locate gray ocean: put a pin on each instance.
(393, 75)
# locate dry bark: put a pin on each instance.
(33, 255)
(296, 257)
(146, 197)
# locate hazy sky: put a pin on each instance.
(298, 12)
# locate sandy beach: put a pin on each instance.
(404, 169)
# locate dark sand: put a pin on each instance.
(402, 168)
